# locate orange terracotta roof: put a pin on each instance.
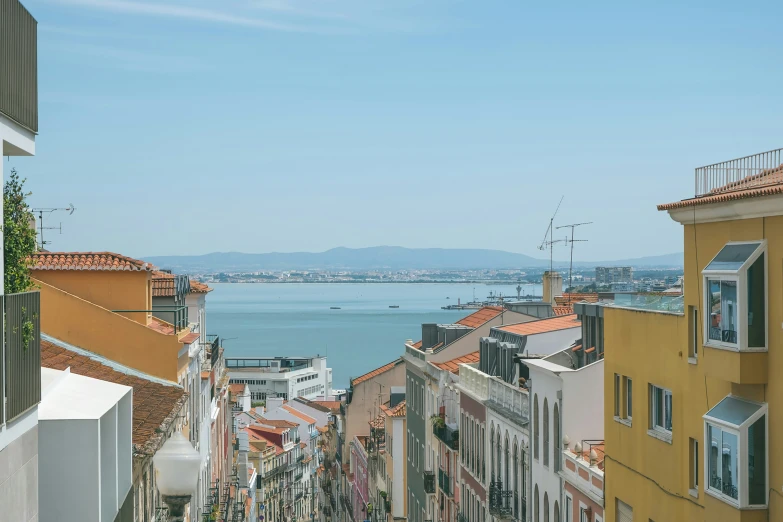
(155, 405)
(542, 325)
(453, 365)
(298, 414)
(303, 445)
(163, 284)
(236, 388)
(383, 369)
(86, 261)
(204, 376)
(277, 423)
(332, 405)
(160, 326)
(563, 310)
(322, 430)
(481, 316)
(766, 183)
(397, 411)
(197, 287)
(189, 338)
(417, 345)
(568, 298)
(378, 422)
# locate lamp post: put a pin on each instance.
(177, 465)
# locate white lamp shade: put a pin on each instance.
(177, 466)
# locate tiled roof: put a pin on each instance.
(197, 287)
(331, 405)
(397, 411)
(236, 388)
(383, 369)
(204, 376)
(278, 423)
(542, 325)
(302, 445)
(481, 316)
(765, 183)
(298, 414)
(568, 298)
(86, 261)
(378, 422)
(563, 310)
(160, 326)
(155, 405)
(189, 338)
(453, 365)
(163, 284)
(417, 345)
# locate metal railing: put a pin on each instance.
(214, 348)
(177, 314)
(444, 483)
(500, 500)
(737, 174)
(461, 517)
(20, 369)
(429, 482)
(447, 435)
(19, 64)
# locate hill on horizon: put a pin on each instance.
(388, 258)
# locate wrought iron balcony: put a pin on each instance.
(447, 435)
(500, 500)
(20, 372)
(214, 341)
(429, 482)
(444, 483)
(298, 477)
(461, 517)
(19, 65)
(300, 457)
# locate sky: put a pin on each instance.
(188, 127)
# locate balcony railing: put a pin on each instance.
(298, 477)
(176, 315)
(444, 483)
(461, 517)
(20, 369)
(214, 341)
(500, 500)
(447, 435)
(737, 174)
(19, 64)
(429, 482)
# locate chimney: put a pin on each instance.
(553, 286)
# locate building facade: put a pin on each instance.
(606, 275)
(282, 377)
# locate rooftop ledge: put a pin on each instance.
(656, 303)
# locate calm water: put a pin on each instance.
(295, 319)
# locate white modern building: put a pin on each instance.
(283, 377)
(85, 448)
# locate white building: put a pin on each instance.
(566, 395)
(284, 377)
(85, 449)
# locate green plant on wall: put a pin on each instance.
(28, 329)
(438, 421)
(18, 236)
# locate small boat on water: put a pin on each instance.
(394, 306)
(334, 308)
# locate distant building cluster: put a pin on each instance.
(606, 275)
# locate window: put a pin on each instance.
(693, 474)
(736, 454)
(660, 409)
(735, 297)
(693, 333)
(569, 509)
(628, 398)
(617, 393)
(535, 426)
(546, 432)
(556, 428)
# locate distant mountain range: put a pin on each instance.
(386, 257)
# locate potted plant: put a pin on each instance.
(438, 421)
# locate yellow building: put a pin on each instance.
(102, 302)
(691, 382)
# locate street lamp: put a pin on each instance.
(177, 465)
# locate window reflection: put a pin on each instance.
(723, 310)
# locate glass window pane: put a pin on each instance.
(629, 399)
(757, 337)
(732, 257)
(757, 462)
(728, 305)
(713, 433)
(733, 410)
(668, 411)
(714, 289)
(729, 456)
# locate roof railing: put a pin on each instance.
(737, 174)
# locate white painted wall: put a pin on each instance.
(583, 403)
(399, 492)
(552, 342)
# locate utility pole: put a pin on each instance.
(572, 241)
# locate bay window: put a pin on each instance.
(735, 462)
(735, 297)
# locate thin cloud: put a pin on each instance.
(188, 13)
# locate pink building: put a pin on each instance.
(360, 477)
(583, 480)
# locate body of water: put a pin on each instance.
(296, 319)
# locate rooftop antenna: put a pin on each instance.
(551, 242)
(41, 211)
(572, 241)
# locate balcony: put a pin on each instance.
(500, 500)
(444, 483)
(214, 341)
(584, 469)
(461, 517)
(300, 458)
(177, 316)
(298, 476)
(19, 66)
(20, 372)
(429, 482)
(448, 435)
(737, 174)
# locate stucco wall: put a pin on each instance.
(366, 396)
(19, 478)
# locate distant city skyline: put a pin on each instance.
(274, 126)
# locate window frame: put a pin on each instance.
(628, 399)
(660, 428)
(740, 276)
(741, 432)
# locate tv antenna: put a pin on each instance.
(48, 211)
(572, 241)
(549, 243)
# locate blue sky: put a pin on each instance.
(187, 127)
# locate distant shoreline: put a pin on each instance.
(480, 282)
